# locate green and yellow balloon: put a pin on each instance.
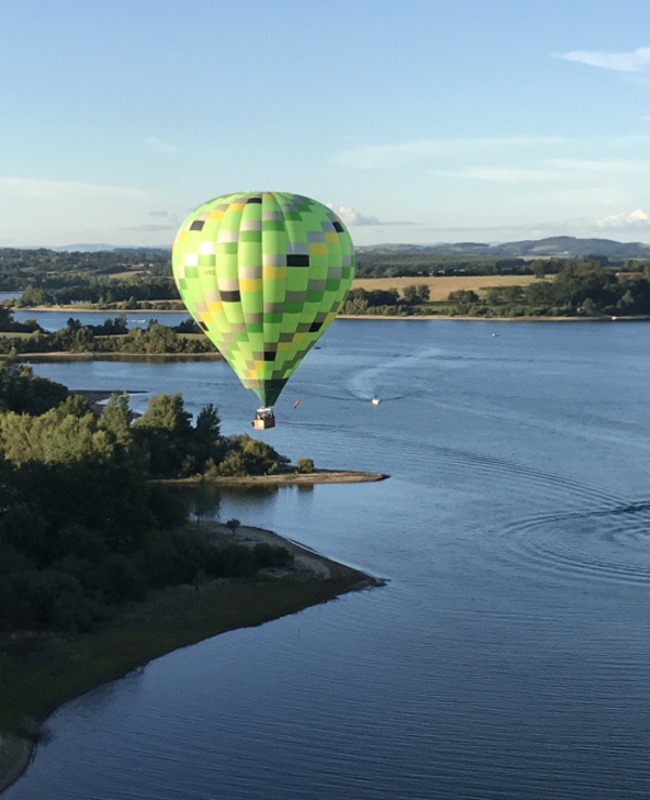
(263, 274)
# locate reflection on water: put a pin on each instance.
(508, 656)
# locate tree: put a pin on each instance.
(410, 294)
(232, 525)
(116, 418)
(208, 445)
(305, 465)
(259, 457)
(424, 293)
(167, 412)
(165, 431)
(463, 296)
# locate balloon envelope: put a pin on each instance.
(263, 274)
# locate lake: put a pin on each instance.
(507, 658)
(53, 320)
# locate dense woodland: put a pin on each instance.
(83, 528)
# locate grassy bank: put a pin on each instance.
(39, 673)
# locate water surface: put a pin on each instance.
(509, 655)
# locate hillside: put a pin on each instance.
(558, 246)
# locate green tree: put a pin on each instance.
(410, 294)
(424, 293)
(116, 418)
(164, 430)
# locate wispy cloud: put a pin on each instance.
(161, 145)
(39, 189)
(167, 221)
(548, 170)
(150, 228)
(417, 150)
(504, 174)
(627, 61)
(600, 165)
(68, 210)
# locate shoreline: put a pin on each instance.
(69, 355)
(281, 479)
(15, 756)
(312, 580)
(427, 317)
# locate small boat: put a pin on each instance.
(375, 401)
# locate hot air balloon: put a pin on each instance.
(263, 274)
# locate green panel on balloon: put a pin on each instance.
(263, 274)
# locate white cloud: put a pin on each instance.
(632, 61)
(633, 219)
(352, 217)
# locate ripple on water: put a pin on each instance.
(608, 544)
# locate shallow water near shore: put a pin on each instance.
(508, 657)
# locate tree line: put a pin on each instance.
(386, 301)
(52, 269)
(578, 288)
(83, 529)
(111, 336)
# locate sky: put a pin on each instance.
(417, 121)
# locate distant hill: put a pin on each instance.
(83, 248)
(560, 246)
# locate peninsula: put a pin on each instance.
(42, 673)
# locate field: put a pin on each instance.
(440, 287)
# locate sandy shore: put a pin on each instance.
(309, 565)
(306, 561)
(283, 479)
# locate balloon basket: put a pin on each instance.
(263, 419)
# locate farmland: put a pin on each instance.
(440, 287)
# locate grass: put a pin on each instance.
(439, 287)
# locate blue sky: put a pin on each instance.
(417, 120)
